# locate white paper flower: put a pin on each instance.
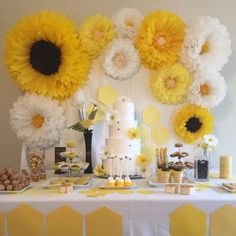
(121, 59)
(210, 140)
(38, 121)
(127, 21)
(123, 99)
(105, 153)
(208, 88)
(111, 116)
(206, 45)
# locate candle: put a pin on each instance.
(225, 167)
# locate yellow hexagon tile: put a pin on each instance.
(150, 150)
(107, 95)
(143, 133)
(151, 116)
(25, 221)
(105, 222)
(64, 221)
(1, 224)
(225, 227)
(188, 220)
(160, 135)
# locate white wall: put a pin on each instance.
(12, 10)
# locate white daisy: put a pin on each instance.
(38, 121)
(127, 21)
(121, 59)
(206, 45)
(210, 140)
(111, 116)
(123, 99)
(105, 153)
(208, 88)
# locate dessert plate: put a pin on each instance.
(133, 186)
(13, 192)
(227, 189)
(56, 182)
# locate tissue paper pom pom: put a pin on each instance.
(127, 21)
(206, 45)
(44, 56)
(170, 84)
(159, 39)
(193, 122)
(38, 121)
(208, 88)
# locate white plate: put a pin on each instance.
(47, 184)
(227, 189)
(153, 182)
(12, 192)
(118, 187)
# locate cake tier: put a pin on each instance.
(120, 129)
(122, 147)
(125, 110)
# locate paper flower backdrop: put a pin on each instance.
(193, 122)
(159, 39)
(95, 33)
(38, 121)
(121, 59)
(208, 88)
(43, 55)
(206, 45)
(170, 84)
(127, 21)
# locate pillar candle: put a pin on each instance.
(225, 167)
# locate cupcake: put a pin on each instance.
(111, 182)
(128, 182)
(164, 175)
(119, 182)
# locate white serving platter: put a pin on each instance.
(154, 183)
(14, 192)
(227, 189)
(118, 187)
(47, 183)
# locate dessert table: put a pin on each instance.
(143, 211)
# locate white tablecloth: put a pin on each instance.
(143, 215)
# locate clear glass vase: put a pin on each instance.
(201, 167)
(35, 161)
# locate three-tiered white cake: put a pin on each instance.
(123, 148)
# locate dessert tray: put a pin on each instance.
(133, 186)
(230, 187)
(74, 181)
(13, 192)
(154, 183)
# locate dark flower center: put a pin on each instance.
(193, 124)
(45, 57)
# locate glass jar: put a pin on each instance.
(201, 167)
(35, 161)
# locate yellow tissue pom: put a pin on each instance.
(132, 133)
(170, 84)
(159, 39)
(143, 160)
(95, 33)
(43, 54)
(193, 122)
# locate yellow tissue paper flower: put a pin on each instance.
(160, 38)
(132, 133)
(95, 33)
(99, 171)
(193, 122)
(43, 54)
(170, 84)
(143, 160)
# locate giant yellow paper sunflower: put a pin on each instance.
(95, 34)
(170, 84)
(193, 122)
(43, 54)
(159, 39)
